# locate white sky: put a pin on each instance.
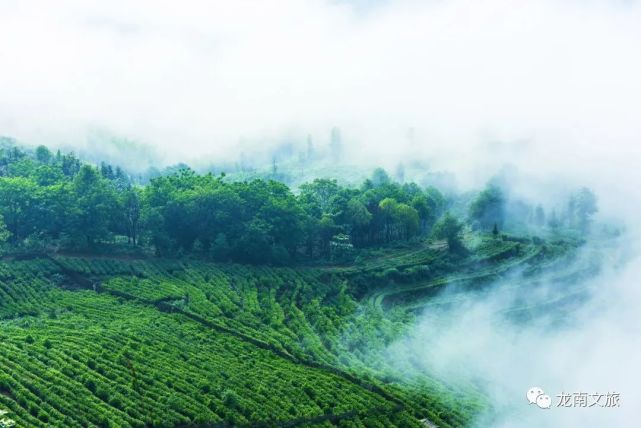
(552, 86)
(193, 77)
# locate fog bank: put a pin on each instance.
(459, 82)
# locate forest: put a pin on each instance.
(126, 342)
(197, 301)
(320, 214)
(57, 201)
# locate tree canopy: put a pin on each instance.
(449, 228)
(59, 200)
(488, 209)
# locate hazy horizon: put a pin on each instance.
(549, 89)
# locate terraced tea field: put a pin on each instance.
(81, 358)
(109, 342)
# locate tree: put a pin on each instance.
(47, 175)
(585, 206)
(327, 229)
(97, 205)
(70, 165)
(18, 206)
(358, 219)
(168, 210)
(488, 208)
(43, 154)
(107, 171)
(255, 244)
(319, 193)
(220, 249)
(130, 203)
(60, 199)
(310, 149)
(553, 221)
(216, 208)
(357, 213)
(436, 202)
(408, 219)
(284, 217)
(4, 233)
(388, 208)
(539, 216)
(380, 178)
(425, 214)
(449, 228)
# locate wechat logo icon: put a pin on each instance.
(535, 395)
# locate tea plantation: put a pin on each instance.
(91, 341)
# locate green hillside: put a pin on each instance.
(93, 341)
(201, 301)
(73, 357)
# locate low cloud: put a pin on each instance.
(576, 337)
(550, 87)
(203, 79)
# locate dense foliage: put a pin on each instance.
(96, 332)
(56, 200)
(79, 358)
(167, 342)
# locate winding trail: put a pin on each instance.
(377, 297)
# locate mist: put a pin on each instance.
(588, 343)
(549, 88)
(214, 80)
